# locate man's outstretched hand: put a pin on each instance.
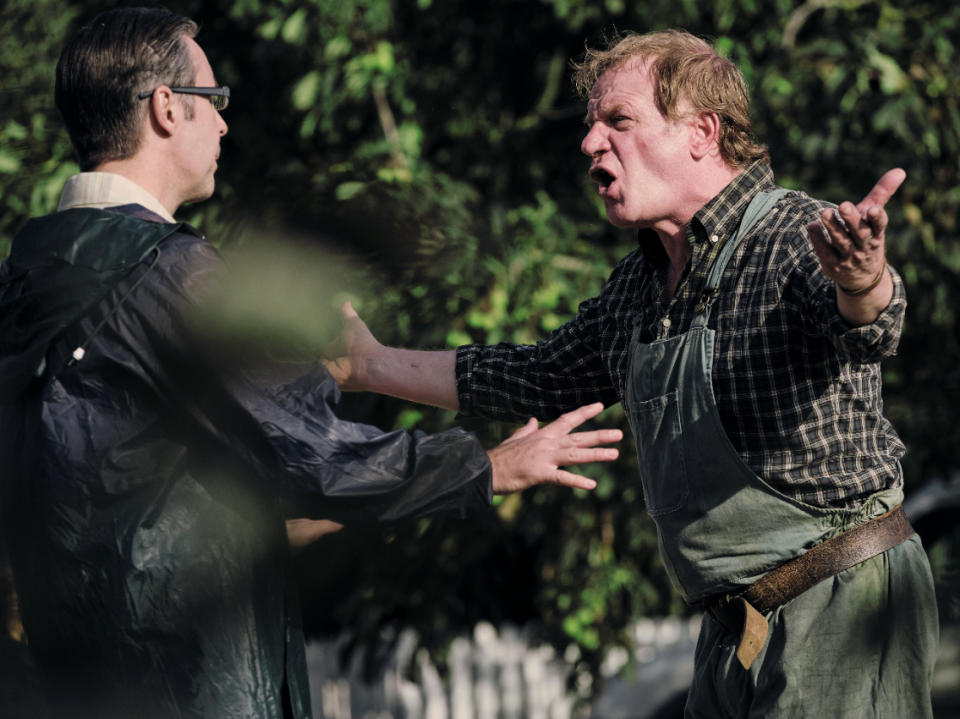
(850, 243)
(349, 354)
(537, 456)
(359, 362)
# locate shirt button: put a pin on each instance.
(665, 322)
(714, 239)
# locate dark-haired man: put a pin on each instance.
(142, 477)
(744, 337)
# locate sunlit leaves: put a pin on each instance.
(35, 155)
(293, 29)
(305, 92)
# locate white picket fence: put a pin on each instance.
(499, 675)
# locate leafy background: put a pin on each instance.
(425, 155)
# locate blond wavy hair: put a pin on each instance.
(688, 75)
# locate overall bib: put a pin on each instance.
(721, 527)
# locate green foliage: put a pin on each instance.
(35, 154)
(434, 148)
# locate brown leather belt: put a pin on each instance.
(742, 613)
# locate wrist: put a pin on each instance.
(376, 367)
(861, 291)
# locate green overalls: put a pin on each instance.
(860, 644)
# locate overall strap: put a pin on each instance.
(759, 206)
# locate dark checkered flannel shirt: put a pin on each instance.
(797, 388)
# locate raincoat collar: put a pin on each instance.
(60, 266)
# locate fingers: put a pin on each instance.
(585, 455)
(594, 437)
(849, 225)
(576, 481)
(845, 230)
(303, 532)
(877, 218)
(537, 456)
(855, 227)
(322, 527)
(566, 422)
(337, 347)
(347, 312)
(884, 189)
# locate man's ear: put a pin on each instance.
(704, 134)
(165, 111)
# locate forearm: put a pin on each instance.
(427, 377)
(510, 383)
(359, 363)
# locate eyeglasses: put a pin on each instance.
(219, 96)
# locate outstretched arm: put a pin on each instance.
(850, 244)
(531, 456)
(360, 363)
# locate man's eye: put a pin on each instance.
(619, 119)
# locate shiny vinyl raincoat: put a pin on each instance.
(143, 485)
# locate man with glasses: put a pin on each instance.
(143, 477)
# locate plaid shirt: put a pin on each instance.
(798, 389)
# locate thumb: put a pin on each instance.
(888, 184)
(529, 428)
(347, 312)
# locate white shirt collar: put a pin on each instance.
(106, 189)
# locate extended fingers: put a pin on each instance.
(303, 532)
(585, 455)
(857, 226)
(884, 189)
(347, 312)
(569, 479)
(566, 422)
(594, 437)
(583, 447)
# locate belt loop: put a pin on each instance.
(754, 633)
(740, 618)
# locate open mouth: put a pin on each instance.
(601, 177)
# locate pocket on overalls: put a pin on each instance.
(659, 441)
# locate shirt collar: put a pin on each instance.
(720, 217)
(106, 189)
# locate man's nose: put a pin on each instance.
(595, 142)
(223, 125)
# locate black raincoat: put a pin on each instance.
(143, 485)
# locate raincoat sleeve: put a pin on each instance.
(276, 419)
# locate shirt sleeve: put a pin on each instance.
(877, 340)
(514, 382)
(862, 344)
(277, 420)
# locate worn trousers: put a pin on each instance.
(860, 645)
